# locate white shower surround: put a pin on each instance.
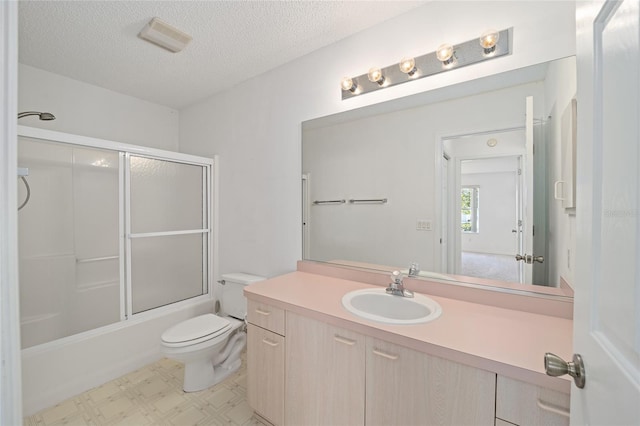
(62, 368)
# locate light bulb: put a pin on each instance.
(408, 66)
(375, 76)
(445, 54)
(488, 41)
(348, 84)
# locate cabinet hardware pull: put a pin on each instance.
(385, 355)
(344, 340)
(270, 343)
(553, 408)
(261, 312)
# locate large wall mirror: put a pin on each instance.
(459, 181)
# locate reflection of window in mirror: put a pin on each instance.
(470, 209)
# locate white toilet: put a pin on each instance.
(210, 345)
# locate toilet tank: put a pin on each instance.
(233, 301)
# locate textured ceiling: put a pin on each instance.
(96, 41)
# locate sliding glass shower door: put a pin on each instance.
(68, 239)
(106, 234)
(168, 232)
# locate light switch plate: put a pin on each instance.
(423, 225)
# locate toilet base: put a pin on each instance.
(202, 375)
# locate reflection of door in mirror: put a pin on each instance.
(539, 230)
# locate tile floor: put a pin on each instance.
(153, 396)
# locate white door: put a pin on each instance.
(607, 302)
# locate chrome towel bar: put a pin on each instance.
(329, 202)
(372, 201)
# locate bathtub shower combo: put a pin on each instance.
(108, 232)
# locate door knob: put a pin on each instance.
(556, 366)
(529, 259)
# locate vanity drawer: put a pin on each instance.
(526, 404)
(266, 316)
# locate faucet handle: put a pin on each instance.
(396, 277)
(414, 269)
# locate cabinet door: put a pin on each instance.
(325, 374)
(526, 404)
(265, 373)
(408, 387)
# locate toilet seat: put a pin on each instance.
(196, 330)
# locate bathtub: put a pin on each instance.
(55, 371)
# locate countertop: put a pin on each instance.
(508, 342)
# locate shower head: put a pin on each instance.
(45, 116)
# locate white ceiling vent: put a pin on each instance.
(164, 35)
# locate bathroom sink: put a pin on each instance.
(377, 305)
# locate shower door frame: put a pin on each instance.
(128, 235)
(210, 198)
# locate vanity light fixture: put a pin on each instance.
(375, 76)
(493, 44)
(408, 66)
(488, 41)
(445, 54)
(347, 83)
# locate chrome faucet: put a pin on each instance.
(396, 287)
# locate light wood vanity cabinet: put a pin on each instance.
(325, 374)
(266, 361)
(332, 374)
(321, 374)
(412, 388)
(526, 404)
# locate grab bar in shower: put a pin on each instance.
(329, 202)
(96, 259)
(370, 201)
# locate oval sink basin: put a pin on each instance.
(377, 305)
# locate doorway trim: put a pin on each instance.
(449, 239)
(11, 383)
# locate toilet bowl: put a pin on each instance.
(197, 342)
(210, 345)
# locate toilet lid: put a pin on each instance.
(196, 328)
